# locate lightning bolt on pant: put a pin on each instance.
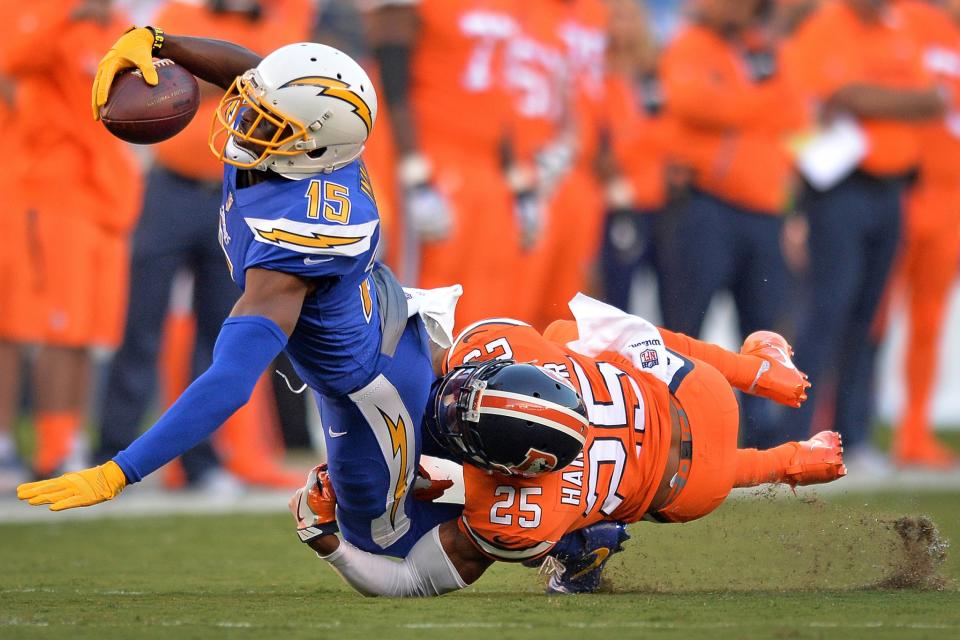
(373, 439)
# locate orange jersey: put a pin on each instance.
(881, 53)
(583, 32)
(70, 164)
(456, 90)
(282, 22)
(554, 72)
(939, 39)
(534, 74)
(8, 131)
(615, 477)
(730, 130)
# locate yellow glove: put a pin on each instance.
(133, 49)
(80, 489)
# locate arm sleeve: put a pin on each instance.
(245, 347)
(426, 571)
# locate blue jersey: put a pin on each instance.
(373, 375)
(324, 229)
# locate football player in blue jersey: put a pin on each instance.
(299, 228)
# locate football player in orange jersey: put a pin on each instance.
(76, 193)
(18, 322)
(555, 70)
(601, 421)
(440, 66)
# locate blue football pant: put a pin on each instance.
(374, 441)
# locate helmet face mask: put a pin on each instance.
(515, 419)
(234, 126)
(305, 109)
(457, 401)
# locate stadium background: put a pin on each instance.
(839, 546)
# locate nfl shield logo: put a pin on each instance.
(649, 359)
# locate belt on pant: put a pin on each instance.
(679, 480)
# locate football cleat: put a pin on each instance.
(816, 461)
(778, 379)
(576, 562)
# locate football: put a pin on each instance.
(141, 114)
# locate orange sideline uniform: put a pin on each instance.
(460, 114)
(20, 320)
(884, 53)
(380, 158)
(625, 453)
(563, 48)
(79, 185)
(729, 130)
(931, 252)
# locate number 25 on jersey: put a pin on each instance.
(527, 513)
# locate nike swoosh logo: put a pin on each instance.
(335, 434)
(599, 556)
(316, 261)
(299, 499)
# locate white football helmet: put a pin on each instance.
(310, 109)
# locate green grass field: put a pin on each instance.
(782, 568)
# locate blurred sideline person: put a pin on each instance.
(931, 247)
(19, 322)
(344, 24)
(636, 183)
(555, 73)
(174, 233)
(616, 422)
(731, 108)
(299, 229)
(78, 187)
(871, 72)
(440, 64)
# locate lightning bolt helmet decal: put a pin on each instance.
(340, 90)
